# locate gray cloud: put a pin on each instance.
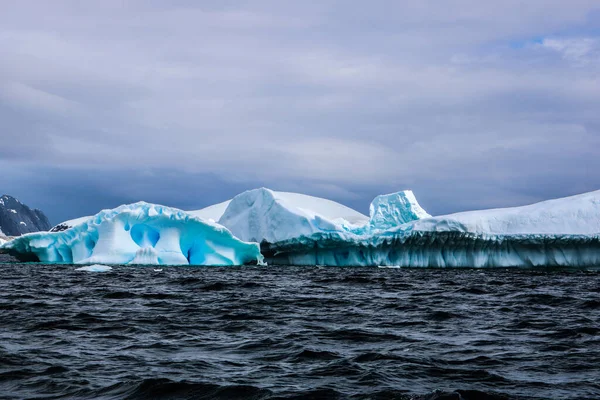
(472, 104)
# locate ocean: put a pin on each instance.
(298, 332)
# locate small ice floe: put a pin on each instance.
(389, 266)
(95, 268)
(157, 269)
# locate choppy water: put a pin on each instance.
(290, 332)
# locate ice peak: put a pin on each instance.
(389, 210)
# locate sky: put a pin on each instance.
(471, 104)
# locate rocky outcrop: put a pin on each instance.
(16, 218)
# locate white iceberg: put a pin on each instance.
(139, 233)
(264, 215)
(211, 213)
(574, 215)
(562, 232)
(95, 268)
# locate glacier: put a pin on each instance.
(139, 233)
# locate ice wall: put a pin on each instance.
(563, 232)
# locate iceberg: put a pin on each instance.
(574, 215)
(296, 229)
(211, 213)
(264, 215)
(140, 233)
(563, 233)
(95, 268)
(390, 210)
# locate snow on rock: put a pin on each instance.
(390, 210)
(265, 215)
(63, 226)
(139, 233)
(16, 218)
(95, 268)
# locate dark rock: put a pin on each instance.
(16, 218)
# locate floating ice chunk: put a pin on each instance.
(95, 268)
(139, 233)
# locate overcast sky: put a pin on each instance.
(472, 104)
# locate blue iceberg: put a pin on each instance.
(139, 233)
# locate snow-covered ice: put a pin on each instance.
(139, 233)
(574, 215)
(211, 213)
(265, 215)
(561, 232)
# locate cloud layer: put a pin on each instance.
(472, 104)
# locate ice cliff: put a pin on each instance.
(562, 232)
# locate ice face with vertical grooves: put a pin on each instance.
(563, 233)
(139, 233)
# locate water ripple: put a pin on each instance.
(295, 333)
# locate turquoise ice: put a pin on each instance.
(139, 233)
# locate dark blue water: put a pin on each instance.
(289, 332)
